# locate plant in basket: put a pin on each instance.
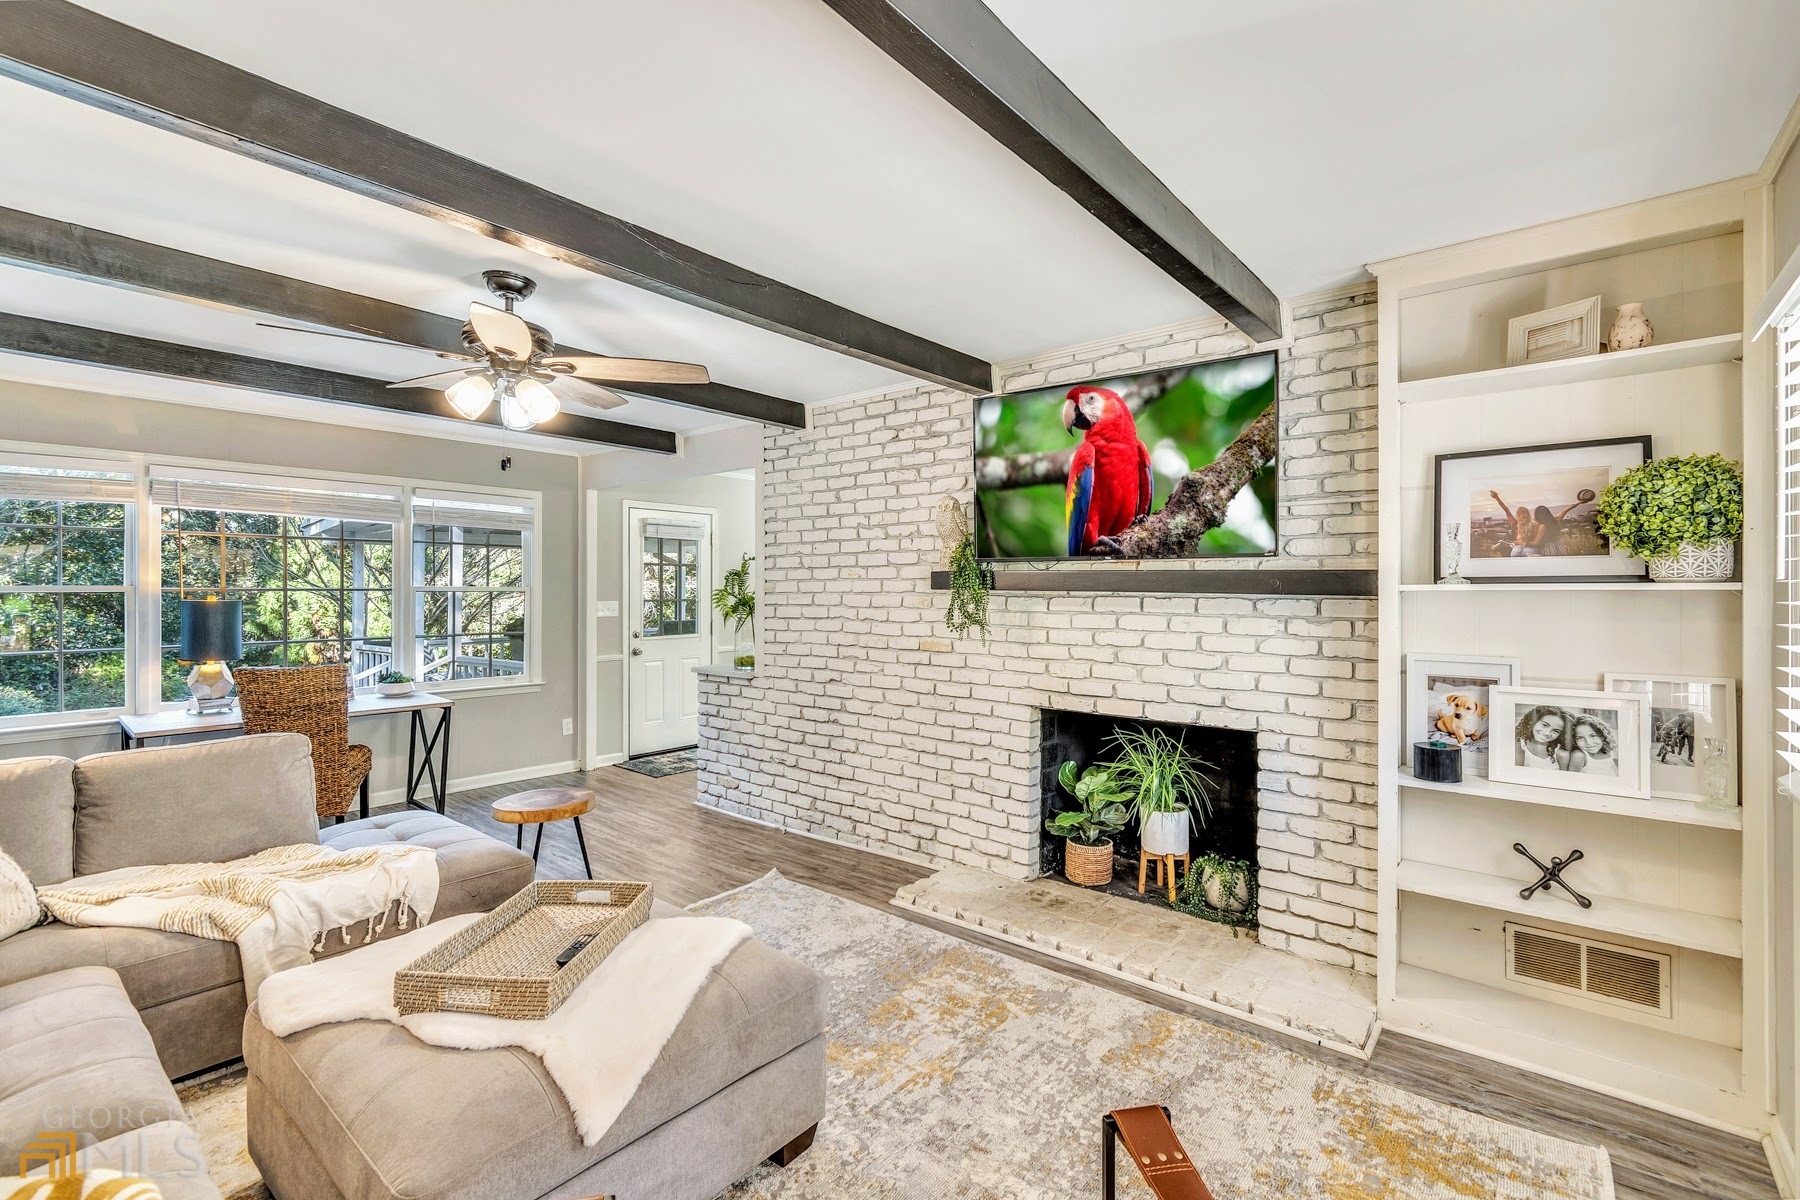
(1102, 806)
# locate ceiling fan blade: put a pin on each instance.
(582, 391)
(500, 331)
(442, 379)
(631, 370)
(363, 337)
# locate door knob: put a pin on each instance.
(637, 649)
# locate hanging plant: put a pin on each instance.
(970, 583)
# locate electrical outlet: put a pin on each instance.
(568, 726)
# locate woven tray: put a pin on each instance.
(504, 965)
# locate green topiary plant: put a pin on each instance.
(1651, 511)
(1103, 806)
(970, 583)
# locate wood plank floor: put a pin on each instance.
(651, 829)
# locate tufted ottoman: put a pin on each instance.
(365, 1111)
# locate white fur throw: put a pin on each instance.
(19, 907)
(597, 1047)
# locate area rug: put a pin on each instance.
(961, 1073)
(670, 762)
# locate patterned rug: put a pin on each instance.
(960, 1073)
(670, 762)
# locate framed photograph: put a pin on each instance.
(1447, 697)
(1566, 331)
(1578, 741)
(1686, 715)
(1530, 514)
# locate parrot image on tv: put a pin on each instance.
(1109, 478)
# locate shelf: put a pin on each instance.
(1680, 812)
(1654, 1065)
(1068, 576)
(1652, 922)
(1469, 588)
(1671, 357)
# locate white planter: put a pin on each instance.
(394, 689)
(1238, 901)
(1696, 564)
(1164, 833)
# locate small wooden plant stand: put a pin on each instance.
(1165, 869)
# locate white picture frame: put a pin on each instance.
(1676, 745)
(1448, 693)
(1597, 741)
(1565, 331)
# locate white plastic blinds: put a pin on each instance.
(31, 477)
(295, 498)
(1787, 584)
(471, 512)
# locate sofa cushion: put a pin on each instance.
(362, 1090)
(155, 966)
(75, 1058)
(203, 802)
(169, 1154)
(475, 872)
(37, 816)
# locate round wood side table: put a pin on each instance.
(541, 806)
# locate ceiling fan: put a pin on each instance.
(515, 362)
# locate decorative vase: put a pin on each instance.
(1631, 329)
(1696, 564)
(394, 689)
(1164, 832)
(1089, 866)
(1217, 899)
(1435, 762)
(1453, 555)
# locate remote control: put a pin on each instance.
(575, 947)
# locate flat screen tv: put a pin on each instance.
(1176, 462)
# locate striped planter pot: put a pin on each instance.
(1696, 564)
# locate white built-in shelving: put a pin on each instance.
(1447, 872)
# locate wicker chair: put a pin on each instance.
(314, 701)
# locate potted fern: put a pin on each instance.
(736, 604)
(1681, 515)
(1170, 788)
(1101, 811)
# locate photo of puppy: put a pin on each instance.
(1462, 717)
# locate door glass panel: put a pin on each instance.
(670, 580)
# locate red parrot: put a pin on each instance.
(1109, 479)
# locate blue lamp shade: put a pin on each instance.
(212, 630)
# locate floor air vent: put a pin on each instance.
(1599, 970)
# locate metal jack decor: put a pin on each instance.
(1552, 874)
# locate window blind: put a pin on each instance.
(340, 502)
(479, 512)
(1787, 583)
(35, 478)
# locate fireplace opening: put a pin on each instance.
(1228, 831)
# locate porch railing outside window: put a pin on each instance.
(471, 589)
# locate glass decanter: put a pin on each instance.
(1715, 776)
(1453, 554)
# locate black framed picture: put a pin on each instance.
(1530, 514)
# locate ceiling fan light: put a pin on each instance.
(539, 402)
(471, 396)
(512, 410)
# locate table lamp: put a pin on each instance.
(212, 631)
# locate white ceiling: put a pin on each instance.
(1311, 135)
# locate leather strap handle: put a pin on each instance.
(1155, 1150)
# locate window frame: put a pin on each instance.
(143, 586)
(528, 545)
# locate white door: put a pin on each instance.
(668, 626)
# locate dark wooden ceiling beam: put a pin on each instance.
(964, 53)
(80, 54)
(43, 244)
(54, 340)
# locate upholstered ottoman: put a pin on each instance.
(365, 1111)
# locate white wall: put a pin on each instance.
(492, 734)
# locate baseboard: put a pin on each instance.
(391, 797)
(1782, 1163)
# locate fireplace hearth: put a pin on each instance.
(1228, 831)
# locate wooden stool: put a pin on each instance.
(541, 806)
(1145, 858)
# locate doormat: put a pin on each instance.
(669, 762)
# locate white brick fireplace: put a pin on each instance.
(867, 724)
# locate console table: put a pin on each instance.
(427, 750)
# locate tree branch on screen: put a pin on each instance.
(998, 473)
(1198, 502)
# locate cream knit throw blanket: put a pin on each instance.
(279, 905)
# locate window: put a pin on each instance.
(65, 594)
(671, 582)
(471, 588)
(1787, 552)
